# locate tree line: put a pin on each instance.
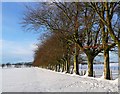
(74, 28)
(17, 65)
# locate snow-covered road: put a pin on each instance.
(42, 80)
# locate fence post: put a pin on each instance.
(111, 78)
(81, 73)
(84, 72)
(93, 73)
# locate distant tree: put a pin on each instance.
(3, 65)
(28, 64)
(18, 65)
(8, 64)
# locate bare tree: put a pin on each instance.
(52, 52)
(106, 12)
(110, 10)
(75, 21)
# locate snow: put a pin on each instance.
(41, 80)
(86, 75)
(98, 69)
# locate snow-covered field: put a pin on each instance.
(98, 69)
(42, 80)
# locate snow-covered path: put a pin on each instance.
(42, 80)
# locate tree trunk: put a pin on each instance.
(76, 65)
(90, 66)
(106, 65)
(62, 67)
(119, 52)
(55, 67)
(67, 65)
(51, 67)
(58, 67)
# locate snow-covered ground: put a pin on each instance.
(98, 69)
(42, 80)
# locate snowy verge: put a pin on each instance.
(43, 80)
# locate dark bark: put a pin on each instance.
(76, 65)
(58, 67)
(62, 67)
(90, 65)
(68, 66)
(55, 67)
(106, 65)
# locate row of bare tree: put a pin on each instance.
(76, 27)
